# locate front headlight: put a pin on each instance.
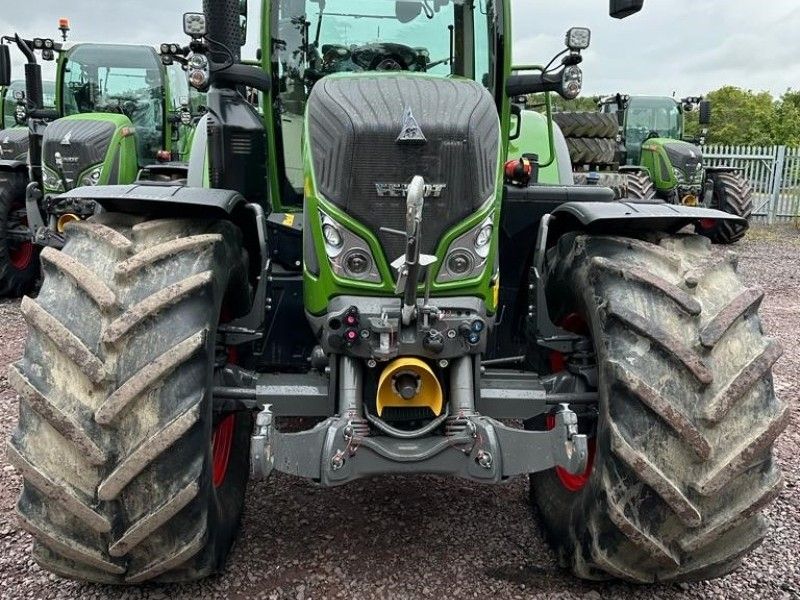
(92, 177)
(52, 182)
(348, 254)
(467, 255)
(679, 175)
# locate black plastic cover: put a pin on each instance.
(355, 127)
(80, 143)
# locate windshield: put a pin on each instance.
(118, 79)
(316, 38)
(652, 116)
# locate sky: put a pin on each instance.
(686, 47)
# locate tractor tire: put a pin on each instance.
(640, 186)
(128, 473)
(592, 151)
(683, 437)
(587, 125)
(19, 262)
(733, 195)
(615, 181)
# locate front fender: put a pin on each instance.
(621, 217)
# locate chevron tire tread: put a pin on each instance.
(587, 124)
(639, 186)
(592, 151)
(733, 195)
(114, 441)
(687, 419)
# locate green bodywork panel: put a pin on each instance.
(534, 139)
(654, 158)
(121, 164)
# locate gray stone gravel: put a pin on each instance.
(428, 537)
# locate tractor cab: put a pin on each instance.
(655, 139)
(112, 99)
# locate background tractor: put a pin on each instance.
(116, 114)
(654, 136)
(347, 287)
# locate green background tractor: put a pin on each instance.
(113, 114)
(347, 287)
(654, 136)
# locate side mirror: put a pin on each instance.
(5, 66)
(620, 9)
(705, 112)
(407, 10)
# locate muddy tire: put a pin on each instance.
(587, 124)
(19, 261)
(116, 427)
(592, 151)
(687, 417)
(639, 186)
(733, 195)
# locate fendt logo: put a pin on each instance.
(67, 139)
(400, 190)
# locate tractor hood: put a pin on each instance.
(14, 144)
(370, 135)
(686, 157)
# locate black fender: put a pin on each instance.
(161, 200)
(176, 201)
(625, 217)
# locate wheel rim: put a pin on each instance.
(572, 482)
(21, 255)
(708, 224)
(221, 444)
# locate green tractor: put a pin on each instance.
(347, 287)
(655, 140)
(116, 116)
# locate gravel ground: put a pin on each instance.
(427, 537)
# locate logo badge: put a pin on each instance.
(67, 139)
(400, 190)
(412, 132)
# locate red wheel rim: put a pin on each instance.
(707, 224)
(221, 444)
(571, 481)
(21, 255)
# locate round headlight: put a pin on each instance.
(332, 236)
(572, 82)
(186, 117)
(357, 262)
(460, 263)
(198, 78)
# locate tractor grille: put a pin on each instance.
(81, 144)
(354, 125)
